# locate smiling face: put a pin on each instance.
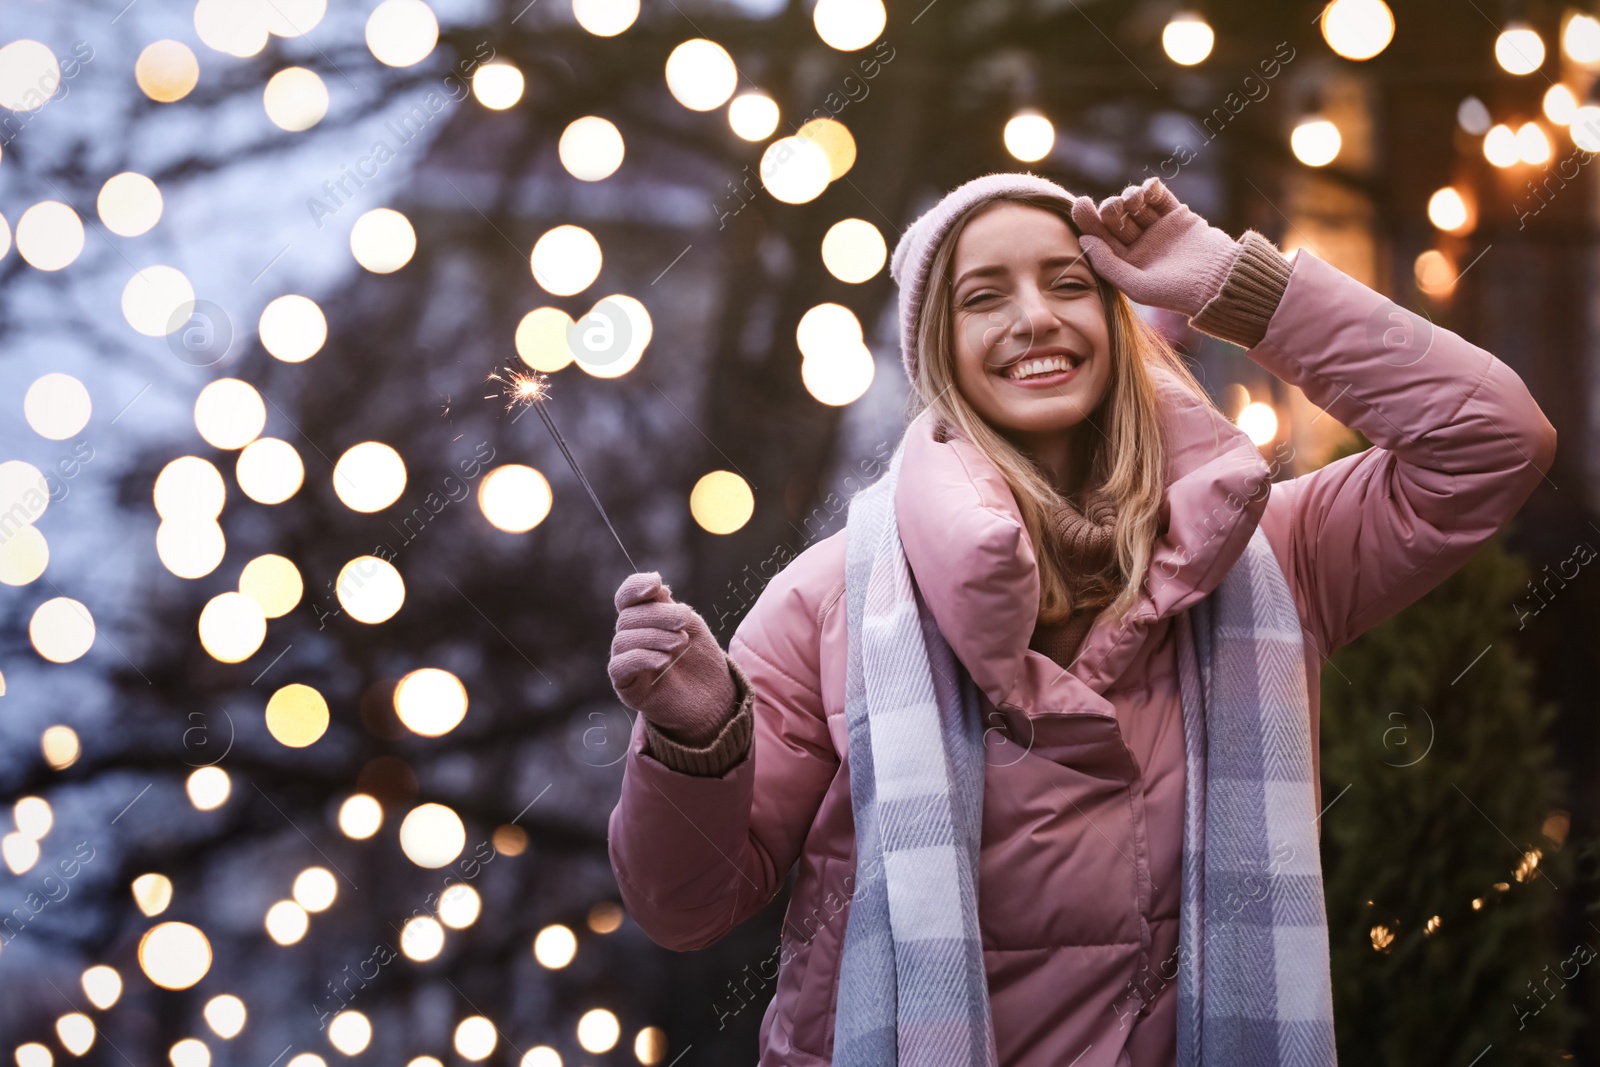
(1032, 347)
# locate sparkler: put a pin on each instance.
(530, 390)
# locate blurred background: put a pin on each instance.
(307, 746)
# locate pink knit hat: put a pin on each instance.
(913, 255)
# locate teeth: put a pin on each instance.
(1030, 368)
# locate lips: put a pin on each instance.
(1050, 366)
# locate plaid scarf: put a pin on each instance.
(912, 985)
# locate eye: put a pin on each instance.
(977, 298)
(1073, 284)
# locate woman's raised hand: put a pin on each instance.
(666, 665)
(1154, 248)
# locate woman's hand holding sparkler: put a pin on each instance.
(666, 665)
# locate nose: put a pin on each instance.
(1032, 315)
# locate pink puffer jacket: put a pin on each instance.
(1083, 798)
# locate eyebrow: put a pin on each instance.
(1064, 261)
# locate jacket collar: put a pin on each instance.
(975, 565)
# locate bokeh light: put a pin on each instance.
(541, 339)
(565, 260)
(1315, 142)
(826, 327)
(848, 24)
(157, 300)
(383, 241)
(23, 556)
(753, 116)
(650, 1046)
(402, 33)
(33, 1054)
(1357, 29)
(49, 235)
(839, 374)
(1532, 144)
(273, 582)
(1581, 39)
(369, 477)
(32, 816)
(701, 74)
(795, 170)
(61, 629)
(189, 488)
(152, 893)
(293, 328)
(514, 498)
(1519, 49)
(541, 1056)
(102, 985)
(20, 852)
(1029, 136)
(1559, 105)
(1500, 146)
(422, 938)
(854, 250)
(360, 816)
(208, 788)
(350, 1032)
(430, 701)
(296, 99)
(269, 470)
(24, 493)
(226, 1015)
(1259, 422)
(297, 716)
(29, 75)
(60, 746)
(498, 86)
(174, 955)
(294, 18)
(432, 835)
(190, 548)
(605, 917)
(286, 922)
(189, 1052)
(836, 142)
(555, 946)
(591, 148)
(612, 336)
(598, 1031)
(229, 413)
(721, 502)
(232, 627)
(76, 1032)
(129, 204)
(459, 906)
(1434, 272)
(166, 70)
(1447, 210)
(475, 1038)
(370, 589)
(56, 406)
(230, 27)
(1187, 38)
(605, 18)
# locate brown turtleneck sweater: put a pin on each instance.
(1088, 554)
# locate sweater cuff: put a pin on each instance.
(724, 751)
(1244, 306)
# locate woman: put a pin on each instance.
(1064, 497)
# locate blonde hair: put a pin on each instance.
(1127, 454)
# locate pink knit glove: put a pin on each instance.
(666, 665)
(1153, 248)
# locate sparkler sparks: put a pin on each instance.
(519, 388)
